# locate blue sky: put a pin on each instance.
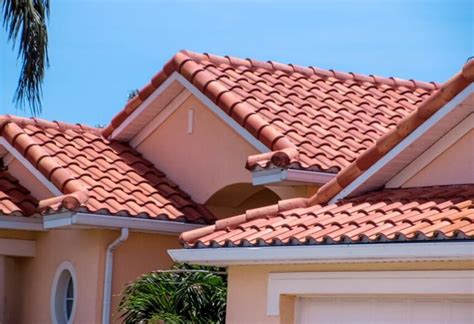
(100, 50)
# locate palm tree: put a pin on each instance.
(25, 23)
(184, 294)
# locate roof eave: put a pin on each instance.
(290, 177)
(340, 253)
(88, 220)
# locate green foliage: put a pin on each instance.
(132, 93)
(25, 23)
(184, 294)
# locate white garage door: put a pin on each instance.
(385, 310)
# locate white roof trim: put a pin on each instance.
(142, 106)
(347, 253)
(160, 118)
(404, 144)
(13, 151)
(78, 220)
(21, 223)
(290, 177)
(222, 115)
(175, 76)
(450, 138)
(454, 283)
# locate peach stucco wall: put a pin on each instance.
(28, 298)
(82, 249)
(210, 158)
(454, 166)
(140, 254)
(247, 286)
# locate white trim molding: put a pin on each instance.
(159, 119)
(58, 290)
(21, 223)
(19, 248)
(189, 89)
(433, 283)
(13, 151)
(360, 181)
(290, 177)
(84, 220)
(449, 139)
(246, 135)
(346, 253)
(144, 105)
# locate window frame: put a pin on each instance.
(60, 298)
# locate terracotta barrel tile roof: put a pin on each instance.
(391, 138)
(97, 175)
(412, 214)
(319, 119)
(286, 214)
(15, 200)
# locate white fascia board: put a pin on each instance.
(222, 115)
(78, 220)
(449, 139)
(144, 105)
(18, 248)
(160, 118)
(175, 76)
(262, 177)
(13, 151)
(337, 253)
(21, 223)
(291, 176)
(405, 143)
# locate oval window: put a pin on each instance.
(63, 301)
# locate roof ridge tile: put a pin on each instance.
(43, 124)
(385, 143)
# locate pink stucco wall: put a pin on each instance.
(210, 158)
(30, 280)
(454, 166)
(82, 249)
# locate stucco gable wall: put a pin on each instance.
(453, 166)
(210, 158)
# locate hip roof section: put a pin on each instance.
(97, 175)
(310, 118)
(392, 215)
(388, 215)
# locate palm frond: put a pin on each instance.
(25, 23)
(184, 294)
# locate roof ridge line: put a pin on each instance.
(386, 142)
(75, 193)
(183, 56)
(311, 70)
(251, 214)
(185, 63)
(44, 123)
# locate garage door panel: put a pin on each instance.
(427, 312)
(390, 312)
(461, 312)
(383, 310)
